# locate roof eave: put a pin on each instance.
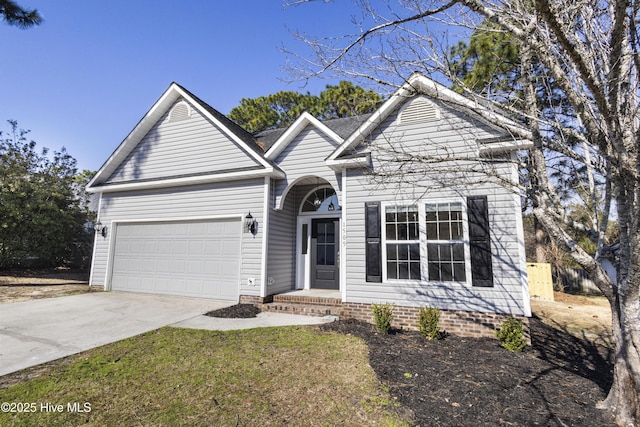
(505, 146)
(185, 181)
(338, 165)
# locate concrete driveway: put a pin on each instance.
(38, 331)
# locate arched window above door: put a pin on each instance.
(323, 199)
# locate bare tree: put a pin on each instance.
(587, 54)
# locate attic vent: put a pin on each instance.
(180, 111)
(420, 110)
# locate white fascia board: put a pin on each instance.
(423, 84)
(354, 162)
(190, 180)
(505, 146)
(372, 122)
(295, 129)
(139, 131)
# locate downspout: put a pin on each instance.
(343, 238)
(265, 235)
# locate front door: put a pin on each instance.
(325, 253)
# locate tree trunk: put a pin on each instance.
(541, 255)
(623, 400)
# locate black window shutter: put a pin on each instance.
(373, 241)
(480, 241)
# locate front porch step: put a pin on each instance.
(306, 300)
(304, 309)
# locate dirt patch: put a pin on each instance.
(584, 317)
(16, 286)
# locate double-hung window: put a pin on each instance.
(402, 226)
(445, 242)
(429, 235)
(435, 241)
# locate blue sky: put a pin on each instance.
(86, 76)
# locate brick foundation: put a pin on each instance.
(455, 322)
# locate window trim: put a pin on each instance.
(422, 240)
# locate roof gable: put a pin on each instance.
(183, 142)
(175, 93)
(419, 84)
(290, 134)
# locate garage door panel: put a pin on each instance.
(179, 266)
(229, 248)
(196, 250)
(213, 248)
(198, 258)
(164, 247)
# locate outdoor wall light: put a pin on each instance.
(251, 224)
(100, 228)
(317, 202)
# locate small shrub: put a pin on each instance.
(428, 323)
(382, 316)
(512, 335)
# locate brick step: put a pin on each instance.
(306, 300)
(305, 309)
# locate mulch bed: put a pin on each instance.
(475, 382)
(238, 311)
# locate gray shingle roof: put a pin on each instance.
(344, 127)
(262, 141)
(228, 123)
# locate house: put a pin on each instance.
(191, 204)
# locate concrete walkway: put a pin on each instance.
(38, 331)
(263, 320)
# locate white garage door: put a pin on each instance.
(188, 258)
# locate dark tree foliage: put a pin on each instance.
(283, 108)
(489, 63)
(17, 16)
(42, 219)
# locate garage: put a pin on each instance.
(188, 258)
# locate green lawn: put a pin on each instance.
(258, 377)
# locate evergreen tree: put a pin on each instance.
(42, 222)
(283, 108)
(17, 16)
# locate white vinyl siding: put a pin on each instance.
(281, 254)
(454, 135)
(174, 148)
(304, 157)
